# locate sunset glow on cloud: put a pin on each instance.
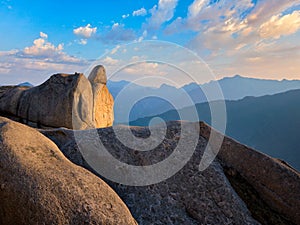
(248, 37)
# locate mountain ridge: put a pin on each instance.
(256, 121)
(233, 88)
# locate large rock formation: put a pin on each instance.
(64, 100)
(38, 185)
(267, 187)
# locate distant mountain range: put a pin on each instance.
(234, 88)
(270, 123)
(25, 84)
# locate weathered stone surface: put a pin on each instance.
(64, 100)
(98, 75)
(277, 184)
(269, 187)
(9, 99)
(38, 185)
(102, 99)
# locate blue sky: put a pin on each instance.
(255, 38)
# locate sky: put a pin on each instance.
(150, 38)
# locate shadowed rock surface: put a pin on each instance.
(269, 188)
(51, 103)
(64, 100)
(38, 185)
(276, 182)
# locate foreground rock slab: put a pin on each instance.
(239, 179)
(38, 185)
(188, 197)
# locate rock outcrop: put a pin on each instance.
(64, 100)
(38, 185)
(276, 184)
(239, 180)
(103, 101)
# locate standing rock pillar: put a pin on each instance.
(103, 101)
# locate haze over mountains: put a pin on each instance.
(269, 123)
(233, 88)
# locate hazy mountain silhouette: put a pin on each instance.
(25, 84)
(148, 105)
(233, 88)
(238, 87)
(269, 123)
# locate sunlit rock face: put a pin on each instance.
(102, 99)
(38, 185)
(64, 100)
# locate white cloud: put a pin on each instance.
(196, 7)
(125, 16)
(276, 60)
(280, 25)
(83, 41)
(35, 63)
(162, 13)
(140, 12)
(43, 35)
(5, 67)
(86, 31)
(145, 68)
(8, 53)
(117, 33)
(45, 50)
(35, 70)
(201, 10)
(144, 35)
(115, 50)
(109, 61)
(115, 26)
(41, 47)
(254, 59)
(225, 28)
(243, 37)
(203, 15)
(264, 10)
(6, 3)
(4, 70)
